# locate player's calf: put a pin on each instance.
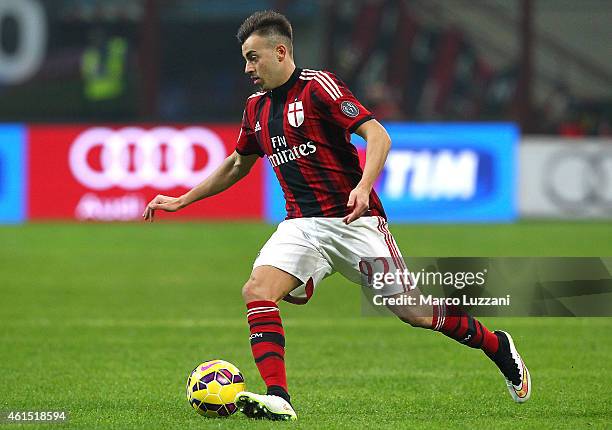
(416, 316)
(267, 286)
(416, 321)
(455, 323)
(267, 338)
(451, 321)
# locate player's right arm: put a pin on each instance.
(233, 168)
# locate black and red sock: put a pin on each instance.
(268, 345)
(453, 322)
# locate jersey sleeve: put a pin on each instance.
(335, 103)
(247, 142)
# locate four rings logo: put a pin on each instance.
(133, 157)
(579, 180)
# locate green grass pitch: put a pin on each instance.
(106, 321)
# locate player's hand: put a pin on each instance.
(165, 203)
(359, 201)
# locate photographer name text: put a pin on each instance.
(428, 300)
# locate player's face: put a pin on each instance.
(262, 63)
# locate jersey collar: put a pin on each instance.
(283, 89)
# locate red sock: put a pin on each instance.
(268, 344)
(453, 322)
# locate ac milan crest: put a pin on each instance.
(295, 114)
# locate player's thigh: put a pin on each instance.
(290, 258)
(269, 283)
(366, 245)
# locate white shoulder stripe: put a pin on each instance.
(322, 84)
(326, 82)
(331, 82)
(259, 93)
(325, 76)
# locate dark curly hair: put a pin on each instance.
(265, 23)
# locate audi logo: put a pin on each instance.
(578, 181)
(133, 157)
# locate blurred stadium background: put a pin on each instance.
(500, 112)
(541, 68)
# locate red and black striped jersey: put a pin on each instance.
(303, 128)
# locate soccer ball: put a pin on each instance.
(212, 387)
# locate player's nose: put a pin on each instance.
(248, 68)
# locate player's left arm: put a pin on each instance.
(378, 144)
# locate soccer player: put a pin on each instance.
(301, 121)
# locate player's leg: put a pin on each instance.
(451, 321)
(288, 262)
(371, 238)
(455, 323)
(266, 286)
(415, 315)
(269, 283)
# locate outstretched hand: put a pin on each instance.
(165, 203)
(359, 201)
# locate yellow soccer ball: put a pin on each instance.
(212, 387)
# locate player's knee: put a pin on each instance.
(416, 321)
(254, 289)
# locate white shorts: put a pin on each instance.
(313, 248)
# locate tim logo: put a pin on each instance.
(437, 175)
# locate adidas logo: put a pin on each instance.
(257, 127)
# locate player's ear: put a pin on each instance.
(281, 52)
